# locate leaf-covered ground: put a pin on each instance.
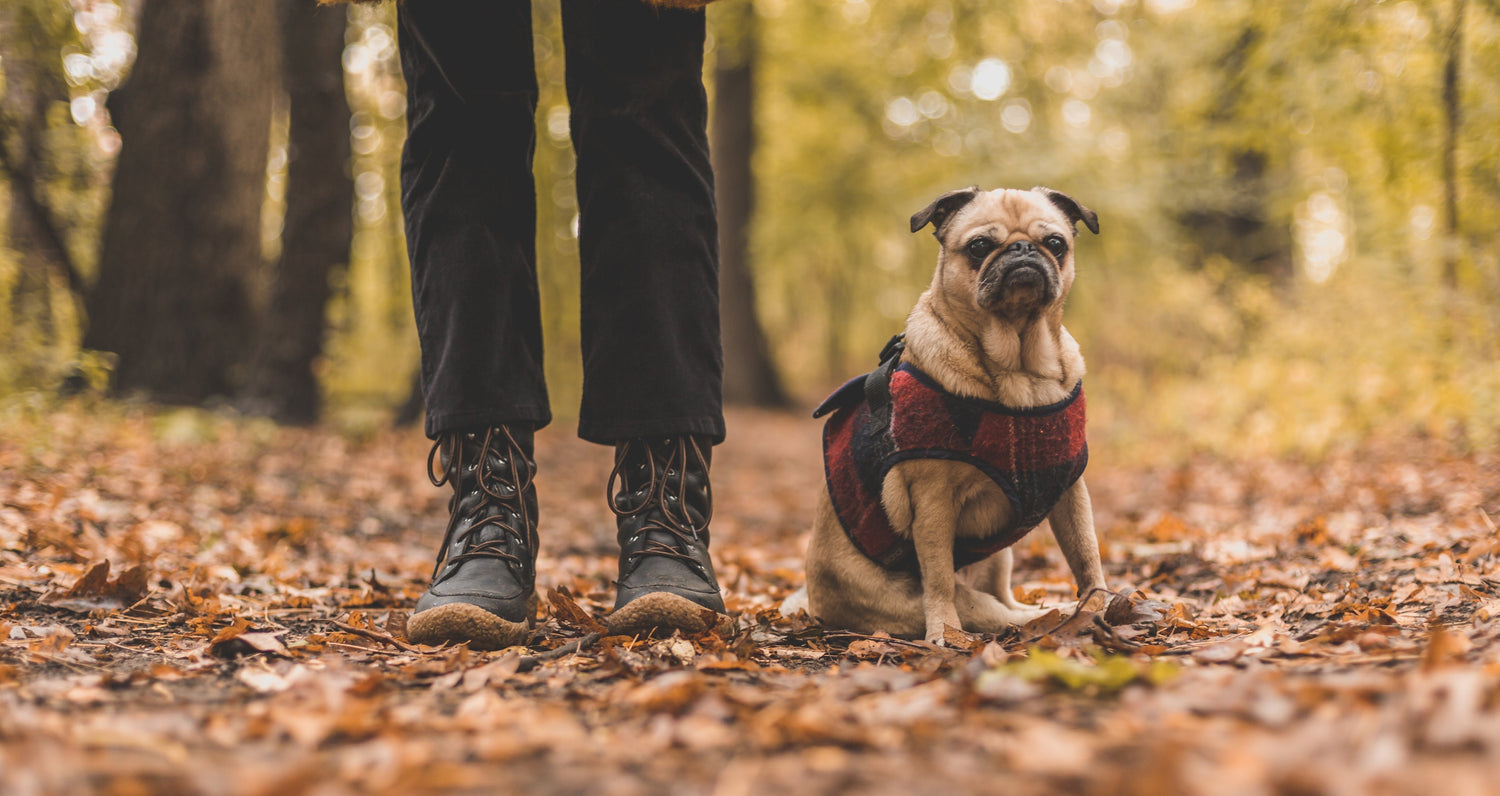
(1297, 629)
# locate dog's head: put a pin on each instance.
(1009, 253)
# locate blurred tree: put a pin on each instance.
(750, 375)
(1453, 56)
(181, 243)
(318, 222)
(1234, 215)
(34, 90)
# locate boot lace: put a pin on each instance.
(494, 488)
(663, 498)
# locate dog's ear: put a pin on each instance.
(942, 209)
(1071, 208)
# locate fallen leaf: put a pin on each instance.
(1444, 648)
(1128, 609)
(668, 692)
(237, 640)
(262, 680)
(569, 611)
(1222, 652)
(95, 591)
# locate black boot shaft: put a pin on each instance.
(661, 496)
(488, 556)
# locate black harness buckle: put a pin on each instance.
(893, 347)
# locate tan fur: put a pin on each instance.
(1016, 353)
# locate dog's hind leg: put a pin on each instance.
(981, 612)
(845, 589)
(992, 576)
(794, 602)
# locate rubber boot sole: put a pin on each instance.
(660, 613)
(458, 623)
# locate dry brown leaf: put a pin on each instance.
(236, 639)
(669, 692)
(1444, 648)
(1222, 652)
(569, 611)
(95, 591)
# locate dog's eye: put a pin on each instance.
(1055, 244)
(979, 247)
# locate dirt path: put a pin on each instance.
(1298, 629)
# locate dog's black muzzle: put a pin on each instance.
(1018, 277)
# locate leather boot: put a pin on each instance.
(484, 584)
(662, 501)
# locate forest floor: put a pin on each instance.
(1298, 628)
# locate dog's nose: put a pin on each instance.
(1021, 247)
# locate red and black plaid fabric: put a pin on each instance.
(1033, 455)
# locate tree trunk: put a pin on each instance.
(181, 242)
(33, 85)
(1241, 225)
(319, 223)
(750, 376)
(1453, 118)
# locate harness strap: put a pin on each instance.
(878, 385)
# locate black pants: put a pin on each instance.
(647, 239)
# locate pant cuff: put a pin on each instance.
(609, 433)
(534, 416)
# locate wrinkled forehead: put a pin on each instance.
(1007, 210)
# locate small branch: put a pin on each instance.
(375, 635)
(1078, 609)
(529, 662)
(900, 642)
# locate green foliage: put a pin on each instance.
(1147, 111)
(1143, 111)
(55, 70)
(1106, 674)
(371, 350)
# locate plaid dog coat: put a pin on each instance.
(898, 413)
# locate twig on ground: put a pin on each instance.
(370, 650)
(900, 642)
(1082, 601)
(529, 662)
(375, 635)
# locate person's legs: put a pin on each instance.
(653, 368)
(648, 238)
(470, 208)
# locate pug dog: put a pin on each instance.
(968, 435)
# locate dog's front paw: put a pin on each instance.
(938, 626)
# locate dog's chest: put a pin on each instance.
(978, 507)
(982, 507)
